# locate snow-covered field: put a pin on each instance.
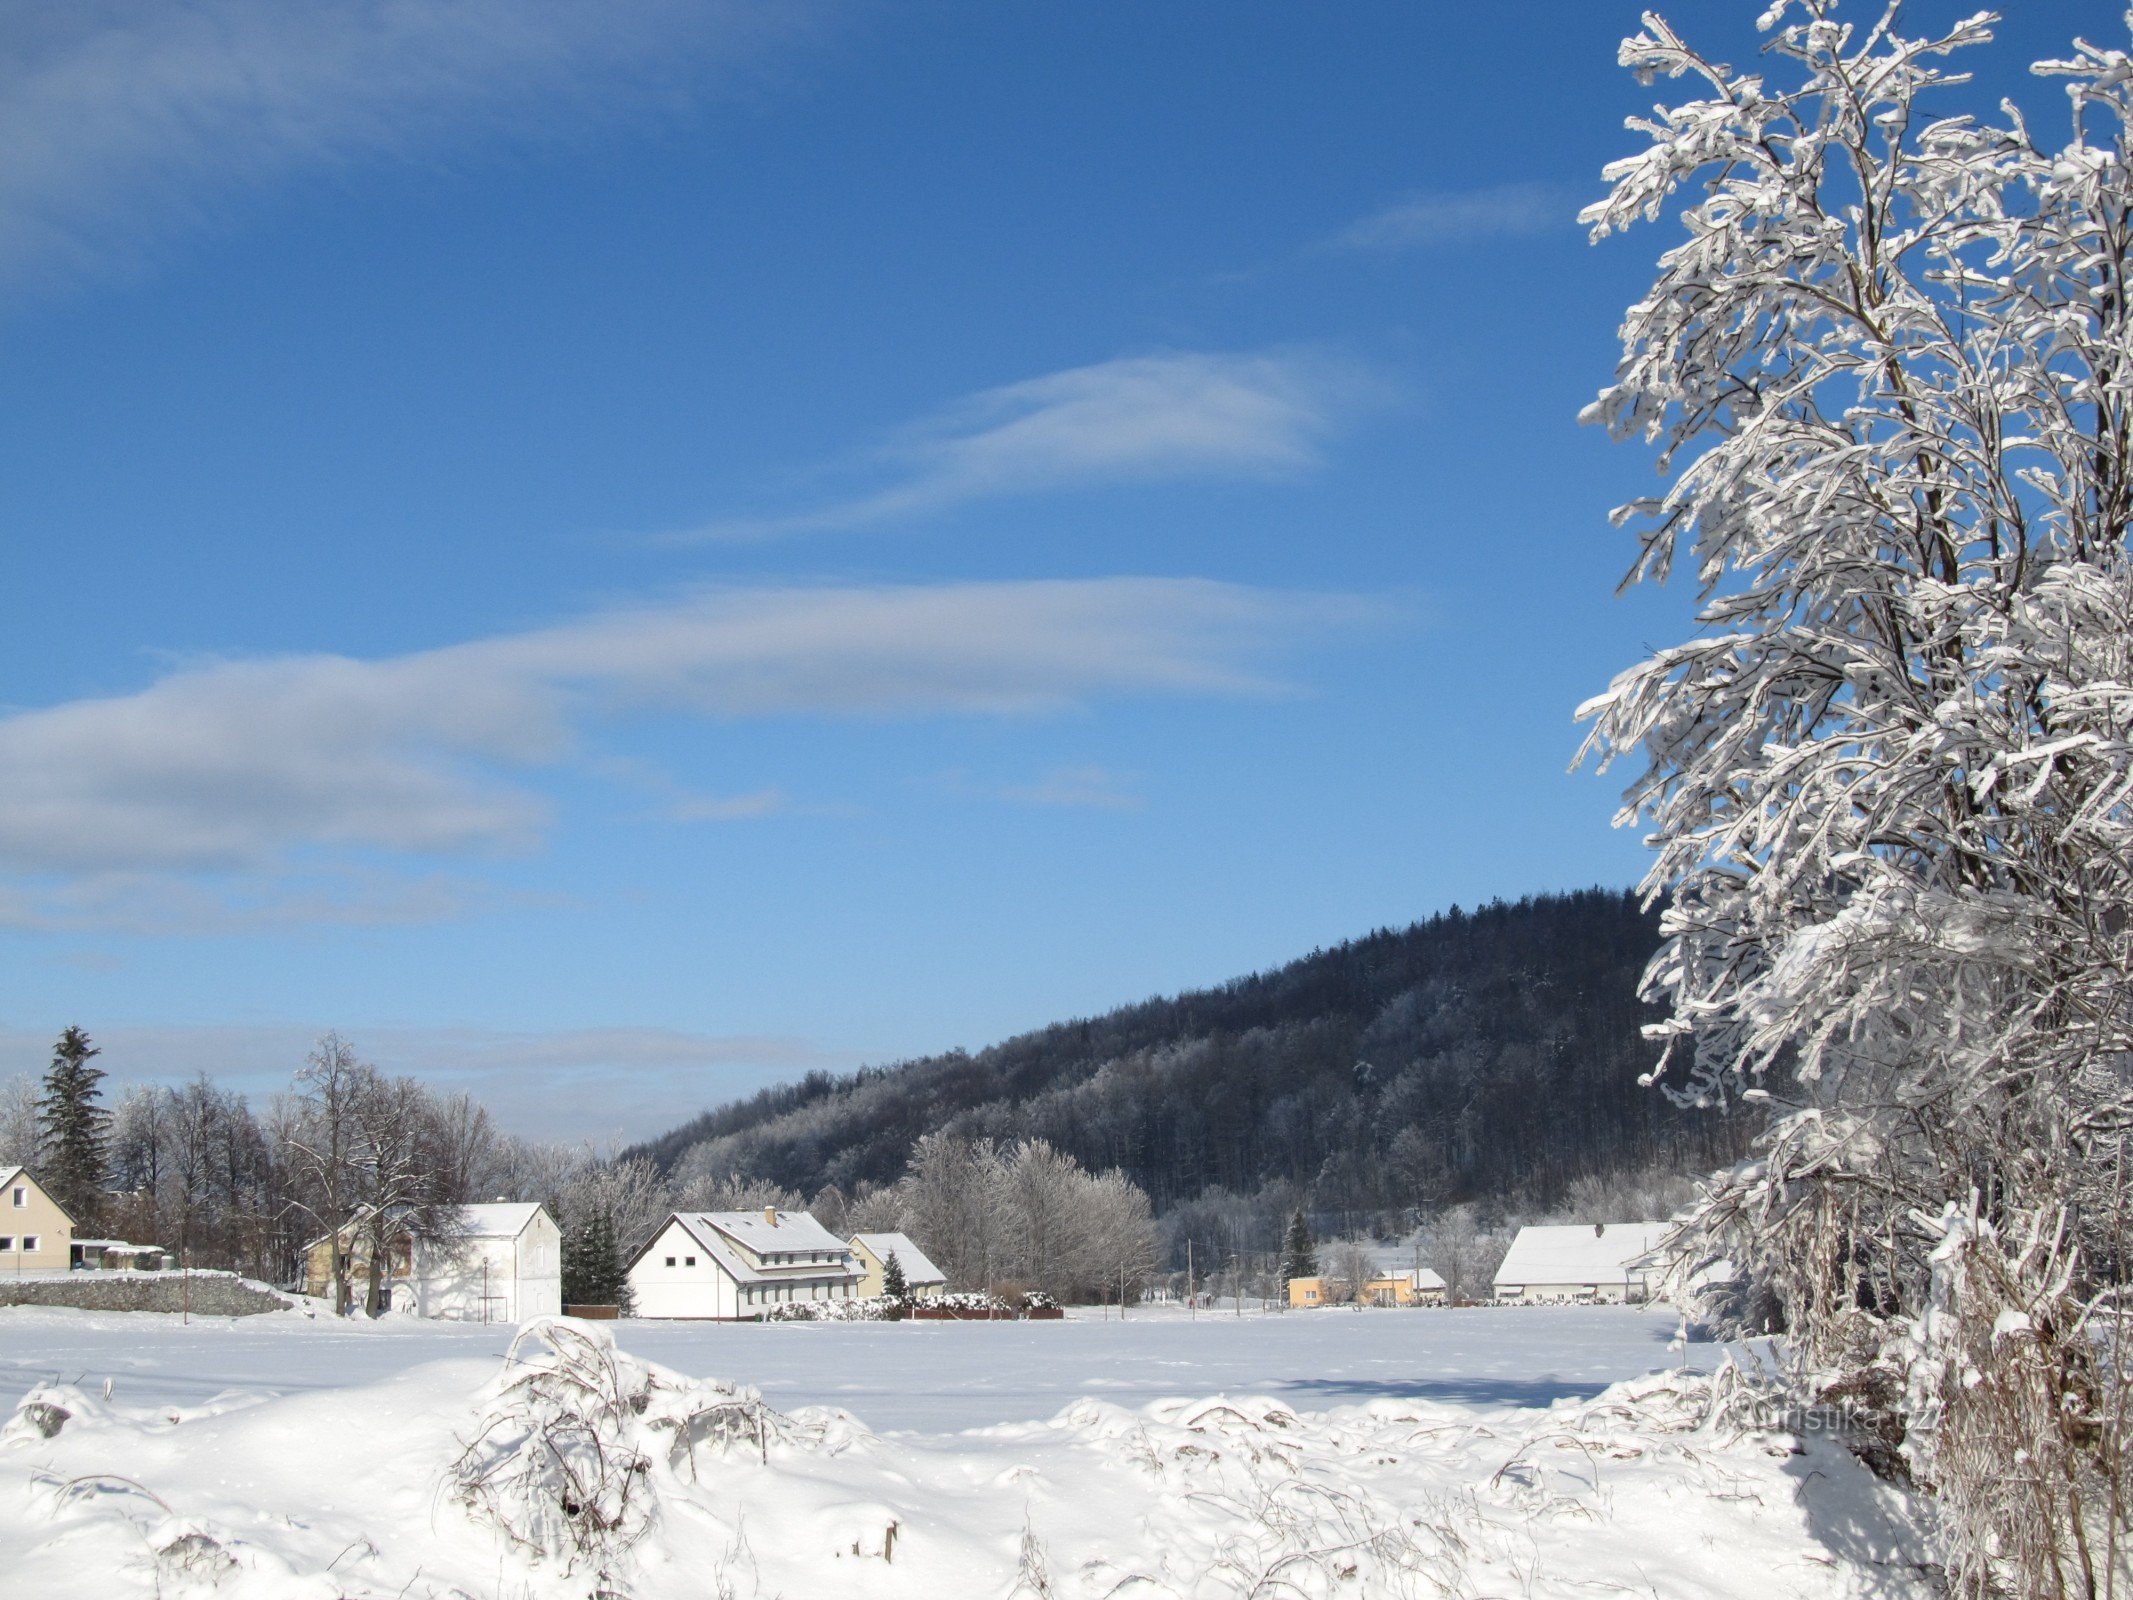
(1382, 1453)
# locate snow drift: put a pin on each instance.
(579, 1470)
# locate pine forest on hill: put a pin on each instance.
(1490, 1057)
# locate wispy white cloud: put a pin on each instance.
(160, 904)
(1460, 216)
(1088, 788)
(125, 119)
(728, 808)
(268, 767)
(1137, 419)
(602, 1083)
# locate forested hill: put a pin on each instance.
(1478, 1054)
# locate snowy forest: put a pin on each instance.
(1488, 1058)
(1467, 1070)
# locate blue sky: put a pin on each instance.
(619, 553)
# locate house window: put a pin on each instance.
(688, 1260)
(6, 1243)
(670, 1261)
(29, 1241)
(22, 1197)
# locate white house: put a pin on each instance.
(733, 1265)
(1591, 1262)
(506, 1266)
(922, 1279)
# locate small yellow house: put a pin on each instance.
(1410, 1286)
(871, 1251)
(35, 1234)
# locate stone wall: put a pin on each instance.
(210, 1294)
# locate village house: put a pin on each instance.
(504, 1263)
(735, 1265)
(36, 1235)
(1603, 1263)
(1406, 1286)
(1401, 1278)
(922, 1279)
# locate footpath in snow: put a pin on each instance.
(1388, 1453)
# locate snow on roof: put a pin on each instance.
(7, 1175)
(1398, 1261)
(1580, 1253)
(704, 1227)
(791, 1233)
(918, 1267)
(502, 1219)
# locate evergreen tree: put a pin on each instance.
(593, 1271)
(892, 1279)
(1299, 1259)
(75, 1130)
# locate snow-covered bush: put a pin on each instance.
(1889, 780)
(974, 1302)
(874, 1308)
(575, 1440)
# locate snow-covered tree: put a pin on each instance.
(1889, 376)
(18, 1121)
(1299, 1257)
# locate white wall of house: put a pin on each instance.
(727, 1264)
(677, 1277)
(493, 1274)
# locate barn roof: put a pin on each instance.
(1580, 1253)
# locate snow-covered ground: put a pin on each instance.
(1379, 1453)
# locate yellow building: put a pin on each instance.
(1410, 1286)
(35, 1234)
(871, 1251)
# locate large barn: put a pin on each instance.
(736, 1265)
(1590, 1262)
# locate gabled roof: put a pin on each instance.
(1398, 1261)
(1580, 1252)
(705, 1228)
(501, 1219)
(787, 1233)
(9, 1174)
(918, 1268)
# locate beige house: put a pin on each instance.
(35, 1235)
(922, 1279)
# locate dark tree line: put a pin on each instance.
(1491, 1055)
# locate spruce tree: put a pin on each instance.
(1299, 1259)
(893, 1285)
(593, 1273)
(75, 1129)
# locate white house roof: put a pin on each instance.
(7, 1175)
(502, 1219)
(786, 1233)
(1579, 1253)
(917, 1267)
